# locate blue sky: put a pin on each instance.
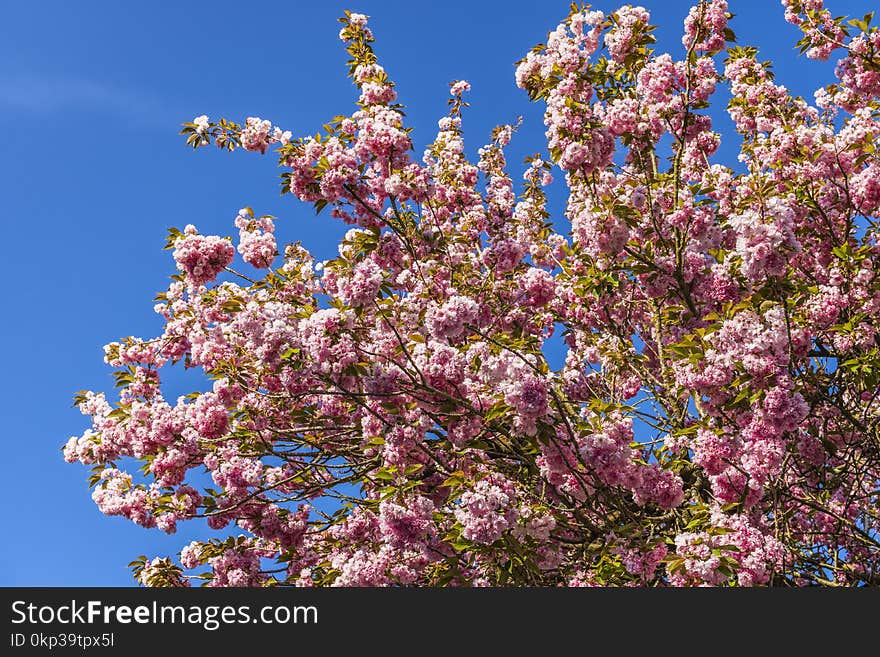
(93, 173)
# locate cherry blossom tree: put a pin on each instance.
(389, 417)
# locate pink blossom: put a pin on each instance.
(256, 134)
(449, 320)
(487, 511)
(202, 257)
(704, 26)
(363, 285)
(459, 87)
(621, 39)
(762, 240)
(529, 396)
(256, 240)
(406, 525)
(537, 287)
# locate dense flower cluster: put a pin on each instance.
(201, 257)
(389, 417)
(256, 240)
